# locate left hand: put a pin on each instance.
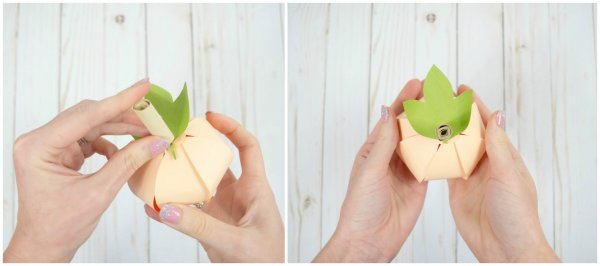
(383, 200)
(58, 206)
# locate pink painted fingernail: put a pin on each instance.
(385, 113)
(500, 119)
(170, 213)
(158, 147)
(141, 81)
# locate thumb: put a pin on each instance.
(123, 164)
(199, 225)
(385, 137)
(497, 146)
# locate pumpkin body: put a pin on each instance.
(430, 159)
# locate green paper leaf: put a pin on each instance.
(441, 115)
(176, 114)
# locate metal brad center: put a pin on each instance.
(444, 132)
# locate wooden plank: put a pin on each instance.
(435, 232)
(11, 17)
(261, 74)
(217, 64)
(527, 105)
(82, 77)
(392, 65)
(37, 70)
(238, 58)
(170, 64)
(307, 53)
(346, 104)
(124, 64)
(481, 66)
(573, 102)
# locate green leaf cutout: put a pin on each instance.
(441, 115)
(176, 114)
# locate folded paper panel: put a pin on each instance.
(200, 127)
(211, 159)
(469, 150)
(445, 163)
(177, 181)
(456, 158)
(406, 129)
(417, 153)
(475, 127)
(142, 182)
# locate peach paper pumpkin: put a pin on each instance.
(193, 177)
(430, 159)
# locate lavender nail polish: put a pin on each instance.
(170, 213)
(385, 113)
(158, 147)
(500, 119)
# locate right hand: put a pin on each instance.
(496, 209)
(241, 223)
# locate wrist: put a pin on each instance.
(341, 248)
(25, 248)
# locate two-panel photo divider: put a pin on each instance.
(299, 132)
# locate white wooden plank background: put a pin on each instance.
(231, 57)
(537, 62)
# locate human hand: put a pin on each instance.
(496, 208)
(383, 200)
(58, 206)
(241, 223)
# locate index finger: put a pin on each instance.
(250, 154)
(73, 123)
(483, 110)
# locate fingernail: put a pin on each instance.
(141, 81)
(158, 147)
(170, 213)
(385, 113)
(500, 119)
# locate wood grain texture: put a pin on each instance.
(345, 123)
(527, 70)
(93, 51)
(307, 48)
(392, 65)
(481, 66)
(536, 62)
(434, 235)
(124, 64)
(10, 30)
(573, 98)
(37, 72)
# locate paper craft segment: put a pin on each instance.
(444, 164)
(142, 182)
(152, 120)
(177, 181)
(210, 166)
(457, 158)
(417, 153)
(406, 129)
(469, 150)
(475, 127)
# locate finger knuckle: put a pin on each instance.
(131, 162)
(199, 227)
(21, 146)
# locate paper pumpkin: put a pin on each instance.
(192, 168)
(442, 136)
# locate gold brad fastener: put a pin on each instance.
(444, 132)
